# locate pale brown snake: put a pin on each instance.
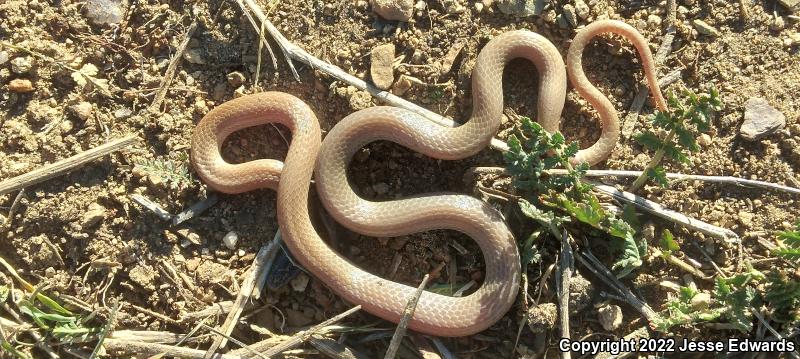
(435, 314)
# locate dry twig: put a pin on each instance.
(266, 346)
(265, 254)
(64, 166)
(408, 313)
(155, 107)
(565, 271)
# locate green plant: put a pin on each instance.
(173, 171)
(782, 292)
(532, 152)
(685, 119)
(732, 299)
(790, 249)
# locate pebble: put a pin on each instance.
(400, 10)
(704, 28)
(104, 11)
(143, 275)
(401, 86)
(380, 69)
(93, 215)
(3, 57)
(520, 8)
(746, 219)
(300, 282)
(21, 65)
(360, 100)
(653, 21)
(610, 316)
(122, 113)
(230, 239)
(760, 119)
(704, 140)
(20, 85)
(582, 9)
(83, 110)
(235, 79)
(194, 56)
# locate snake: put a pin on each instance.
(327, 162)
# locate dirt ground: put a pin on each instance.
(84, 237)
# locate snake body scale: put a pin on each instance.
(435, 314)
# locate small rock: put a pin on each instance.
(653, 21)
(704, 28)
(453, 7)
(210, 272)
(144, 276)
(760, 119)
(3, 57)
(194, 56)
(402, 85)
(610, 316)
(542, 318)
(360, 100)
(104, 11)
(188, 234)
(746, 219)
(230, 239)
(82, 110)
(93, 215)
(701, 301)
(300, 282)
(582, 9)
(570, 15)
(479, 7)
(704, 140)
(381, 69)
(421, 5)
(400, 10)
(520, 8)
(122, 113)
(21, 65)
(20, 85)
(777, 24)
(235, 79)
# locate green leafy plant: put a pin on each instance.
(685, 119)
(731, 300)
(173, 171)
(790, 249)
(782, 292)
(554, 201)
(783, 296)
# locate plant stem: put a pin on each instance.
(642, 179)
